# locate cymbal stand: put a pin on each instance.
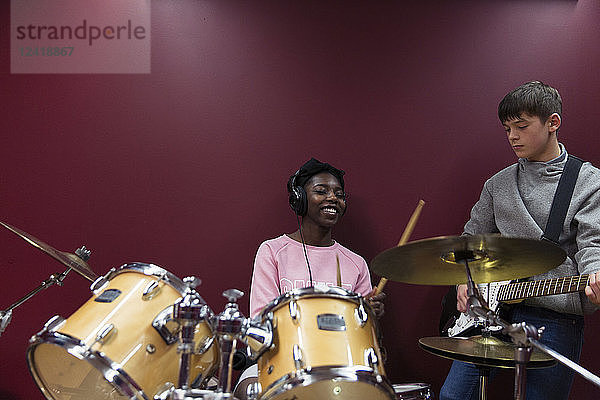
(477, 306)
(523, 335)
(54, 279)
(475, 300)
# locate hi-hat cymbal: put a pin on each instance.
(68, 259)
(488, 351)
(438, 261)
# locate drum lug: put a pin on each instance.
(165, 392)
(105, 334)
(297, 355)
(204, 346)
(101, 282)
(166, 326)
(294, 311)
(258, 336)
(371, 359)
(153, 288)
(150, 291)
(253, 390)
(52, 325)
(361, 314)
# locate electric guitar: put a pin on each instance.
(505, 292)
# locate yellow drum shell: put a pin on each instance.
(133, 346)
(318, 347)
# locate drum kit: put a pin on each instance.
(146, 334)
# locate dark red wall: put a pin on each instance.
(186, 167)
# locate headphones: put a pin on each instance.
(298, 198)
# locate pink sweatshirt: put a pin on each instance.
(280, 264)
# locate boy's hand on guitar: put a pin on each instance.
(461, 298)
(592, 290)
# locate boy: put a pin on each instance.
(516, 202)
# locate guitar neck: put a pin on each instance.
(543, 287)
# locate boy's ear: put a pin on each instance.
(553, 122)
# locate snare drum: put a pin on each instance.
(413, 391)
(324, 346)
(121, 344)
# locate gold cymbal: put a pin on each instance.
(479, 350)
(437, 261)
(68, 259)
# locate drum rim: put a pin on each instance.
(307, 377)
(311, 291)
(150, 269)
(419, 386)
(110, 370)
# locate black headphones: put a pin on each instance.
(297, 199)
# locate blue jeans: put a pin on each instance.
(564, 333)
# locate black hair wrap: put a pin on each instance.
(313, 167)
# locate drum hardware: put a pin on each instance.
(76, 262)
(204, 345)
(228, 326)
(101, 282)
(523, 335)
(189, 311)
(135, 361)
(253, 390)
(372, 361)
(52, 325)
(361, 314)
(488, 352)
(104, 334)
(328, 351)
(166, 326)
(297, 357)
(294, 310)
(413, 391)
(54, 279)
(258, 336)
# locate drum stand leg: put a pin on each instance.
(484, 376)
(522, 356)
(228, 327)
(189, 312)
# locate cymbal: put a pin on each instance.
(68, 259)
(479, 350)
(438, 261)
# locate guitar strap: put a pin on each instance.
(562, 199)
(560, 202)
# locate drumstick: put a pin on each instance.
(407, 232)
(339, 273)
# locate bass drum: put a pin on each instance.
(122, 343)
